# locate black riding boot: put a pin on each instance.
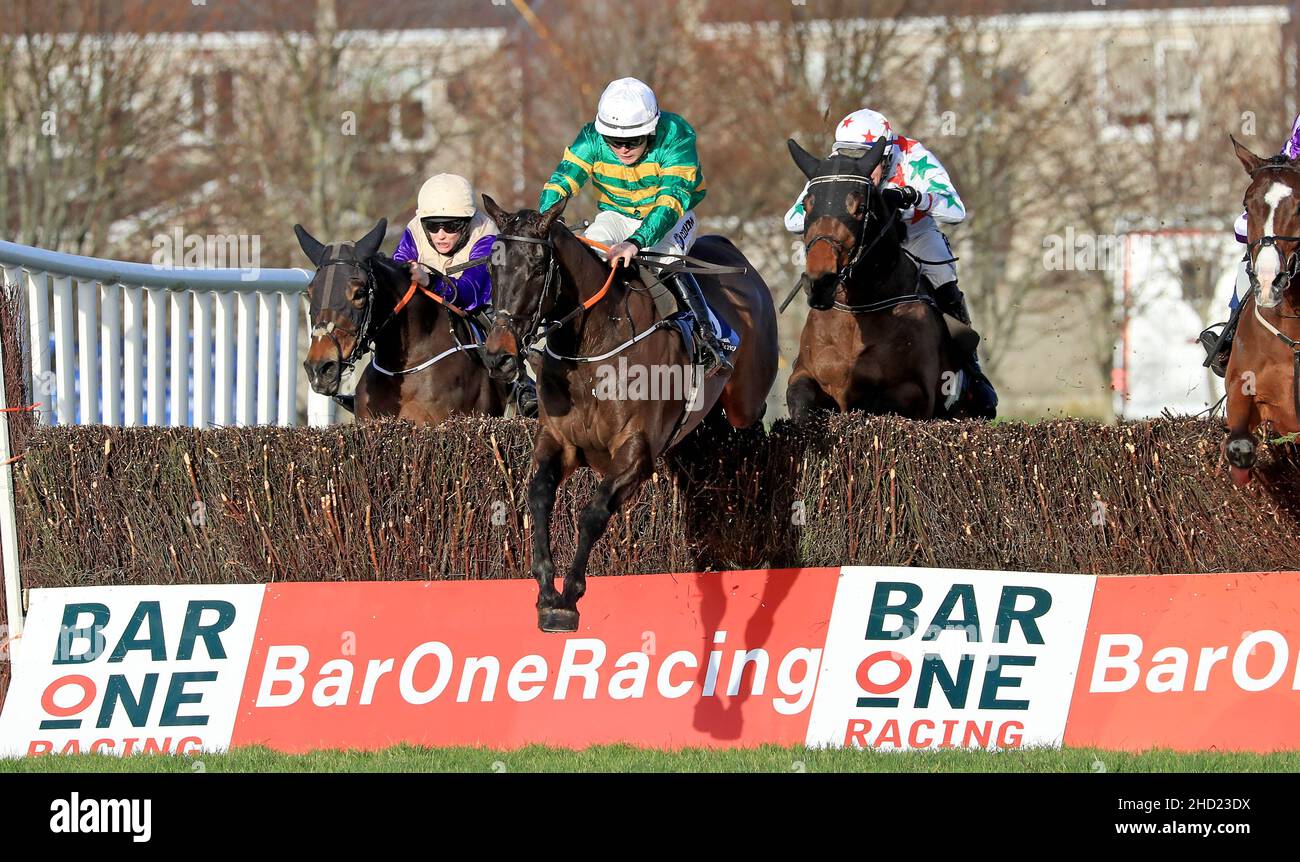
(984, 397)
(524, 392)
(688, 293)
(1218, 345)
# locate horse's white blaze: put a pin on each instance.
(1267, 262)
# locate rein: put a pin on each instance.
(364, 338)
(675, 263)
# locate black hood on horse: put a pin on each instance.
(848, 225)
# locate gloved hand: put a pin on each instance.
(904, 197)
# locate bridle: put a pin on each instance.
(362, 337)
(538, 327)
(860, 247)
(1282, 281)
(535, 321)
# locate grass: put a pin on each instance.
(624, 758)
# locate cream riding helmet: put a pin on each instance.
(627, 109)
(446, 201)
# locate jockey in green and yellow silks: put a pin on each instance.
(646, 174)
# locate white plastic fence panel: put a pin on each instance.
(289, 305)
(110, 339)
(203, 325)
(179, 402)
(133, 355)
(65, 348)
(38, 322)
(87, 352)
(245, 387)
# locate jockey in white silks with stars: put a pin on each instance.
(917, 183)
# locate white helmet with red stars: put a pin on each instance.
(863, 128)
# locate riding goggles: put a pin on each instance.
(450, 225)
(625, 143)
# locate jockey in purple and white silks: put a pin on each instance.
(449, 230)
(913, 179)
(1219, 346)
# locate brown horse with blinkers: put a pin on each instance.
(426, 363)
(545, 278)
(874, 339)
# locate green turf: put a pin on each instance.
(622, 758)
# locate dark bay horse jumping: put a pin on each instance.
(874, 340)
(1263, 375)
(598, 321)
(425, 364)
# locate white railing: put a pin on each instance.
(136, 344)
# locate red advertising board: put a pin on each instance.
(666, 660)
(1190, 662)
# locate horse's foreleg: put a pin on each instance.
(547, 473)
(803, 395)
(1243, 415)
(1240, 448)
(632, 465)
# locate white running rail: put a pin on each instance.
(136, 344)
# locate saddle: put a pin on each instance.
(666, 305)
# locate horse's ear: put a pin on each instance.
(494, 210)
(1249, 160)
(369, 244)
(552, 215)
(874, 154)
(312, 247)
(807, 162)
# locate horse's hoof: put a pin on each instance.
(557, 620)
(1241, 452)
(1240, 476)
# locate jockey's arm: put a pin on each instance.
(925, 173)
(469, 289)
(473, 287)
(680, 174)
(573, 170)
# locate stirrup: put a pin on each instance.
(715, 358)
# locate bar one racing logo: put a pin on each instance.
(975, 668)
(1259, 661)
(431, 671)
(137, 678)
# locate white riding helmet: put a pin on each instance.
(862, 128)
(446, 196)
(627, 109)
